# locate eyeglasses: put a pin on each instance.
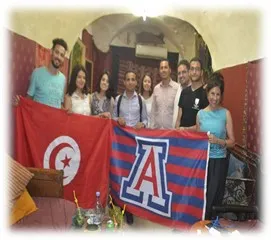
(197, 69)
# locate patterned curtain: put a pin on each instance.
(254, 106)
(22, 62)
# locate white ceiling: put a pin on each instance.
(179, 35)
(233, 36)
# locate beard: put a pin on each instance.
(55, 65)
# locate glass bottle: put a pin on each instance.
(98, 210)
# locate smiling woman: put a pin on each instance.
(217, 121)
(102, 99)
(77, 99)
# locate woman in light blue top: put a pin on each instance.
(218, 122)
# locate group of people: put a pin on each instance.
(188, 104)
(78, 100)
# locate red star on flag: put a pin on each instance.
(66, 161)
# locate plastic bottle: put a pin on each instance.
(98, 210)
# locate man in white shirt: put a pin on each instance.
(164, 95)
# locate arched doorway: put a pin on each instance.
(111, 42)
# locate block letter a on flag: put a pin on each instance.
(146, 185)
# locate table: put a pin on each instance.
(102, 227)
(231, 226)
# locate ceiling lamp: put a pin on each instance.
(149, 10)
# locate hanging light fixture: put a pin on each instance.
(149, 10)
(144, 16)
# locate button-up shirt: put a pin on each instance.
(130, 110)
(163, 105)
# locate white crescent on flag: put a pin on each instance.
(67, 157)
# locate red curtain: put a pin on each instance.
(242, 97)
(22, 62)
(21, 65)
(234, 99)
(254, 106)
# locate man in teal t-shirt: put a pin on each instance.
(47, 88)
(47, 83)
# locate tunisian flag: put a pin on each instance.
(47, 137)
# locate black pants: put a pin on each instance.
(216, 179)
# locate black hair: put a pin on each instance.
(130, 71)
(216, 80)
(110, 91)
(61, 42)
(72, 83)
(164, 60)
(196, 59)
(184, 62)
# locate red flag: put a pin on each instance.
(47, 137)
(160, 174)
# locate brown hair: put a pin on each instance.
(216, 80)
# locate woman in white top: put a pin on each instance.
(102, 99)
(146, 90)
(77, 99)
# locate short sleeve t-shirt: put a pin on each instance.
(47, 88)
(191, 102)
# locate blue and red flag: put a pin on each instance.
(160, 175)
